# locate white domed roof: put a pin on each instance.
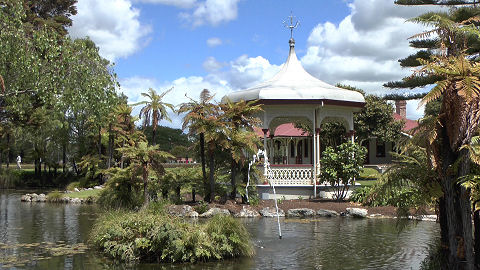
(292, 83)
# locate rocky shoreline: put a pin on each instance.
(289, 209)
(247, 211)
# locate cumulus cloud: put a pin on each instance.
(176, 3)
(364, 48)
(212, 12)
(112, 24)
(214, 42)
(212, 65)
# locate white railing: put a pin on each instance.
(290, 175)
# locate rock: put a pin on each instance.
(182, 211)
(214, 211)
(75, 200)
(42, 198)
(90, 188)
(26, 198)
(376, 216)
(357, 212)
(301, 212)
(97, 187)
(271, 212)
(326, 213)
(247, 212)
(76, 190)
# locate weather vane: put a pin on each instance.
(291, 25)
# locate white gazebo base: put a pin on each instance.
(293, 192)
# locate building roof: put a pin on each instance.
(285, 130)
(409, 124)
(293, 83)
(289, 129)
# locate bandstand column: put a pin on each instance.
(265, 131)
(317, 131)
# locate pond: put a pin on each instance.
(54, 236)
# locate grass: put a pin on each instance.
(369, 173)
(366, 182)
(84, 194)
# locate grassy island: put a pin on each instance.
(147, 236)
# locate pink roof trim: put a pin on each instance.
(284, 130)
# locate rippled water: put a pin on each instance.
(49, 236)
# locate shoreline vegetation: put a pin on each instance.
(151, 235)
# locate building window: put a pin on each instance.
(380, 148)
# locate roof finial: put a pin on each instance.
(291, 26)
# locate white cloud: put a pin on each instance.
(212, 12)
(112, 24)
(214, 42)
(364, 48)
(176, 3)
(212, 65)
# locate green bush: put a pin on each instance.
(73, 185)
(147, 237)
(55, 196)
(201, 208)
(121, 190)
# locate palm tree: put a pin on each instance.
(143, 158)
(196, 115)
(240, 118)
(456, 124)
(154, 110)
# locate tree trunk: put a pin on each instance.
(193, 194)
(64, 157)
(8, 150)
(457, 209)
(233, 175)
(212, 174)
(110, 146)
(476, 245)
(204, 170)
(145, 183)
(99, 142)
(154, 133)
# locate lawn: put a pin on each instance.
(84, 194)
(369, 173)
(366, 182)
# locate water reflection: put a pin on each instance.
(336, 243)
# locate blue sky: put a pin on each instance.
(227, 45)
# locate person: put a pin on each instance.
(19, 161)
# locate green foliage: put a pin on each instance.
(201, 208)
(181, 177)
(122, 190)
(376, 120)
(146, 237)
(410, 183)
(341, 165)
(168, 138)
(73, 185)
(55, 196)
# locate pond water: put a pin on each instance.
(53, 236)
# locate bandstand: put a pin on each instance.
(293, 97)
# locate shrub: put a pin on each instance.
(55, 196)
(201, 208)
(147, 237)
(121, 190)
(73, 185)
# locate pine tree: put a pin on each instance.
(461, 11)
